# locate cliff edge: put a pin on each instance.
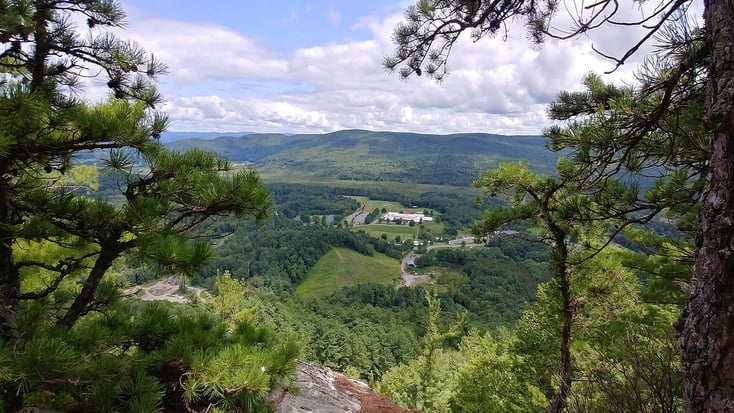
(322, 390)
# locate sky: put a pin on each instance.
(315, 66)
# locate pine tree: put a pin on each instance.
(424, 42)
(558, 210)
(44, 126)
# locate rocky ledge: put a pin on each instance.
(322, 390)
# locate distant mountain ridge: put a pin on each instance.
(362, 155)
(177, 136)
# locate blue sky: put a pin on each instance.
(287, 26)
(314, 66)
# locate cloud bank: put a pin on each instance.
(222, 79)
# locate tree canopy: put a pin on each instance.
(678, 125)
(59, 240)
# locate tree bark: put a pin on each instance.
(12, 400)
(9, 289)
(564, 387)
(108, 253)
(707, 322)
(9, 277)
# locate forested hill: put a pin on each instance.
(378, 156)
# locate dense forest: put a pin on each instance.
(575, 291)
(274, 257)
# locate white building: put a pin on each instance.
(417, 218)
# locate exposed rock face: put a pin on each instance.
(322, 390)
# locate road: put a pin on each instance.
(357, 218)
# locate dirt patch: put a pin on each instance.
(166, 289)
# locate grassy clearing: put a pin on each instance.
(436, 228)
(442, 278)
(342, 267)
(376, 230)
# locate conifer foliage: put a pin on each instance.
(65, 338)
(695, 77)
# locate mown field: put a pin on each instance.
(343, 267)
(391, 230)
(434, 227)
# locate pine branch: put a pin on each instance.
(35, 295)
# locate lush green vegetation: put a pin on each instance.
(278, 254)
(494, 288)
(318, 280)
(391, 231)
(342, 267)
(369, 156)
(634, 153)
(67, 340)
(556, 315)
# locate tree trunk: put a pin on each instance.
(9, 276)
(12, 400)
(564, 387)
(9, 291)
(707, 322)
(108, 253)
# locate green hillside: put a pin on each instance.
(359, 155)
(342, 267)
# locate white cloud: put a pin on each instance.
(493, 86)
(195, 52)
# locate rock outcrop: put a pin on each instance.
(322, 390)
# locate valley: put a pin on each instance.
(143, 270)
(353, 256)
(363, 267)
(350, 251)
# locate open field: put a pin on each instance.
(434, 227)
(376, 230)
(371, 204)
(343, 267)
